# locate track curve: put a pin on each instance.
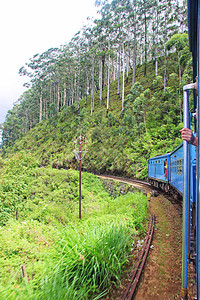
(161, 277)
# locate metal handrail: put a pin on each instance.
(186, 191)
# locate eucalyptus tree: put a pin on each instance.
(101, 49)
(168, 25)
(104, 26)
(90, 45)
(12, 129)
(122, 33)
(77, 43)
(181, 45)
(180, 15)
(22, 117)
(37, 71)
(132, 8)
(59, 77)
(145, 11)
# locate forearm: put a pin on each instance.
(188, 136)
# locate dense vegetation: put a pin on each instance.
(119, 142)
(119, 81)
(127, 34)
(65, 258)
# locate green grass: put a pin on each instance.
(65, 258)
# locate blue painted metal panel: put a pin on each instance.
(193, 174)
(176, 168)
(175, 161)
(158, 168)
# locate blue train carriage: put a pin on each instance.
(176, 169)
(166, 171)
(158, 171)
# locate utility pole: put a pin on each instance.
(80, 153)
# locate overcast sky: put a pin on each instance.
(29, 27)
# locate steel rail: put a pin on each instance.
(141, 262)
(122, 179)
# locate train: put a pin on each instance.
(178, 172)
(166, 172)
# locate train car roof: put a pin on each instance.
(160, 156)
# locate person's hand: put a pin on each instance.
(188, 136)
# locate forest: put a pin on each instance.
(118, 82)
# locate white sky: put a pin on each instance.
(33, 26)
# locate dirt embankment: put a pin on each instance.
(161, 277)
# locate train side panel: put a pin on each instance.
(176, 169)
(193, 174)
(158, 168)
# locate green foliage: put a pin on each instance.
(179, 41)
(65, 257)
(119, 142)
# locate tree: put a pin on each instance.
(181, 45)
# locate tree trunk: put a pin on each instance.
(165, 70)
(134, 52)
(92, 88)
(103, 69)
(145, 45)
(127, 63)
(58, 97)
(64, 95)
(86, 88)
(119, 65)
(156, 70)
(40, 114)
(108, 86)
(114, 72)
(100, 82)
(123, 67)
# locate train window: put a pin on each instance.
(181, 170)
(159, 161)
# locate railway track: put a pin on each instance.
(135, 277)
(125, 180)
(131, 288)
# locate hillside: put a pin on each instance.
(119, 142)
(62, 256)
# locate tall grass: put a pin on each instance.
(91, 259)
(83, 266)
(66, 258)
